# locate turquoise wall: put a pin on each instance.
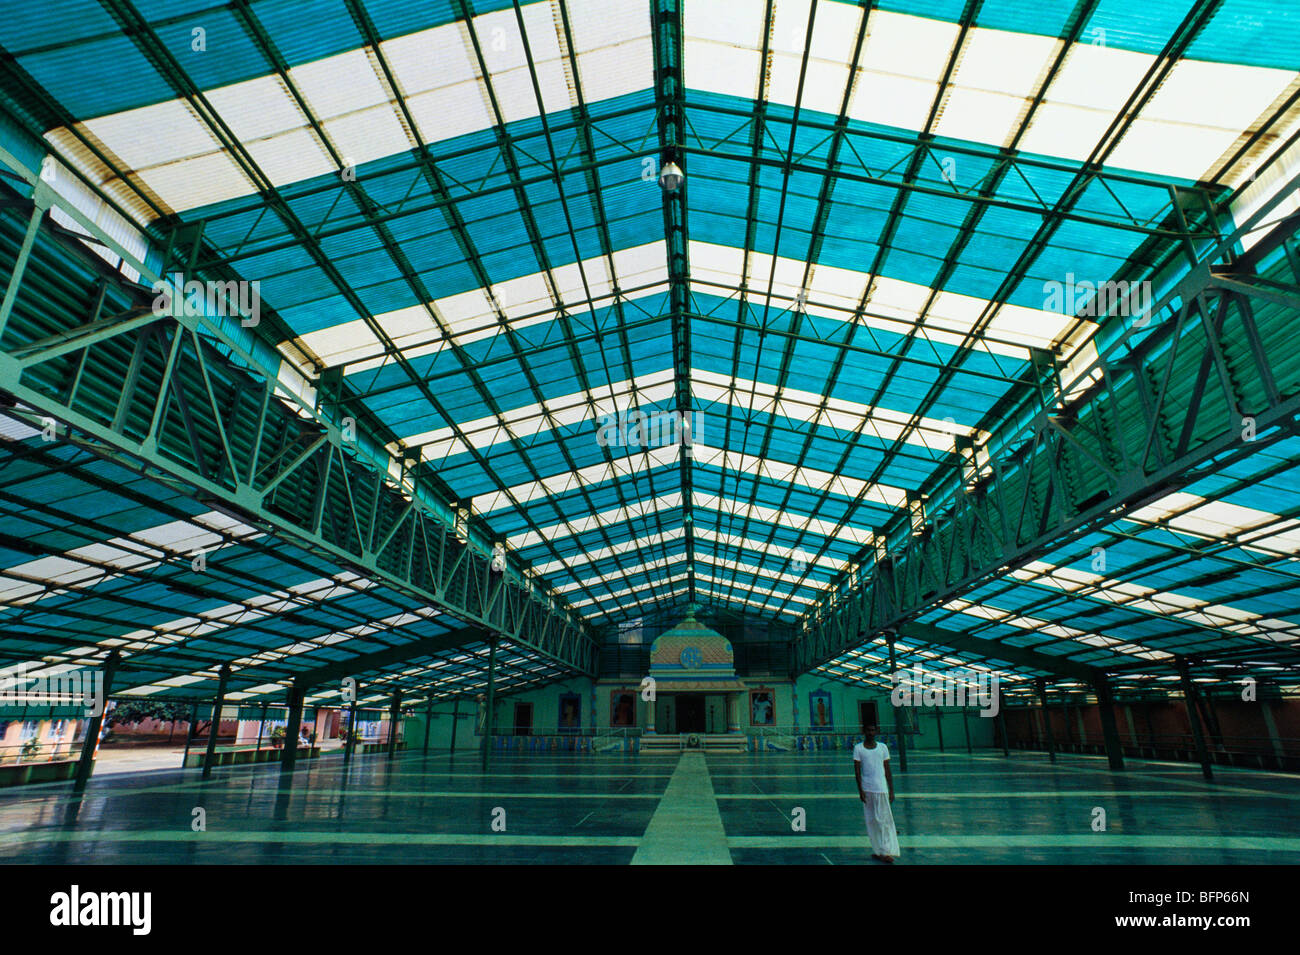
(844, 707)
(546, 716)
(844, 711)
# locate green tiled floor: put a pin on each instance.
(658, 809)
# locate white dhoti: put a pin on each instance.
(880, 824)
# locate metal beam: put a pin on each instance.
(455, 717)
(1041, 684)
(394, 714)
(670, 92)
(1193, 718)
(929, 634)
(1109, 731)
(350, 743)
(322, 488)
(91, 742)
(1080, 460)
(189, 732)
(898, 713)
(489, 718)
(292, 726)
(368, 662)
(223, 676)
(428, 723)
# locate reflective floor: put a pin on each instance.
(692, 808)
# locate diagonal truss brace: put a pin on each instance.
(1207, 380)
(198, 410)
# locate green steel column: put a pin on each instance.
(41, 200)
(350, 741)
(1210, 717)
(965, 722)
(292, 726)
(91, 742)
(394, 714)
(491, 705)
(1270, 726)
(428, 723)
(455, 718)
(222, 677)
(1189, 699)
(261, 727)
(189, 732)
(1041, 683)
(938, 724)
(1132, 727)
(1002, 723)
(898, 716)
(1109, 731)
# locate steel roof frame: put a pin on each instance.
(1060, 457)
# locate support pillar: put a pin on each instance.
(350, 742)
(91, 743)
(1109, 731)
(1189, 698)
(455, 718)
(1041, 683)
(208, 757)
(965, 722)
(428, 723)
(489, 717)
(394, 714)
(1132, 727)
(1002, 724)
(1151, 728)
(1270, 724)
(261, 727)
(938, 725)
(292, 726)
(189, 732)
(899, 727)
(1210, 720)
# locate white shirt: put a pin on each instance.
(871, 764)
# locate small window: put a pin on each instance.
(629, 631)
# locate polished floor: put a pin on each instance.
(693, 808)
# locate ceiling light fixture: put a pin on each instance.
(671, 177)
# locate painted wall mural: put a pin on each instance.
(820, 715)
(570, 714)
(622, 708)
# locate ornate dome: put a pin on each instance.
(691, 656)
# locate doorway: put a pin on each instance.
(523, 719)
(868, 715)
(690, 713)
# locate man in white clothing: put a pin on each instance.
(876, 790)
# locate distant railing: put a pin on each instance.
(46, 752)
(1247, 752)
